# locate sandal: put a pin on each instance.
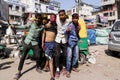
(46, 70)
(57, 74)
(64, 71)
(38, 69)
(17, 76)
(52, 78)
(68, 74)
(75, 69)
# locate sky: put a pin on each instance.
(68, 4)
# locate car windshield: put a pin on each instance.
(116, 26)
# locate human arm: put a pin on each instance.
(43, 38)
(48, 25)
(79, 28)
(68, 29)
(23, 26)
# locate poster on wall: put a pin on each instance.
(101, 18)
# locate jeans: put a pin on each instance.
(72, 57)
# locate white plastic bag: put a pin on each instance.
(92, 59)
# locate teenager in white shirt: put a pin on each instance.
(61, 42)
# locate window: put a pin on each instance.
(17, 18)
(46, 8)
(45, 1)
(106, 14)
(110, 7)
(110, 13)
(113, 13)
(116, 26)
(105, 0)
(38, 7)
(17, 8)
(12, 17)
(73, 10)
(23, 9)
(10, 7)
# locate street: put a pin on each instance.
(106, 68)
(30, 24)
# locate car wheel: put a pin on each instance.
(113, 53)
(5, 54)
(82, 58)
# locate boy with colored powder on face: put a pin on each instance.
(48, 42)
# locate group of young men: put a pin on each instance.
(60, 36)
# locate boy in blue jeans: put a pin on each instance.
(72, 47)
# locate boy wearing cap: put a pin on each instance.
(72, 47)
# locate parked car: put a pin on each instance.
(114, 38)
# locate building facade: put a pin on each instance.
(3, 10)
(84, 10)
(16, 9)
(44, 6)
(0, 8)
(54, 6)
(110, 9)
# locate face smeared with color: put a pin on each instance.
(52, 18)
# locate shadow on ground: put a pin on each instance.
(112, 53)
(27, 71)
(5, 65)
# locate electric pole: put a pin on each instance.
(118, 8)
(78, 5)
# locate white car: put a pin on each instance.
(114, 38)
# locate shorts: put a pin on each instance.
(49, 49)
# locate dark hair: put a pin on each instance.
(54, 14)
(37, 15)
(24, 17)
(75, 15)
(62, 10)
(44, 16)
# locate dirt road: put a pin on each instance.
(106, 68)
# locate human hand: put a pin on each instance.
(69, 28)
(43, 46)
(80, 41)
(48, 25)
(12, 26)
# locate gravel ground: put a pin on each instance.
(106, 68)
